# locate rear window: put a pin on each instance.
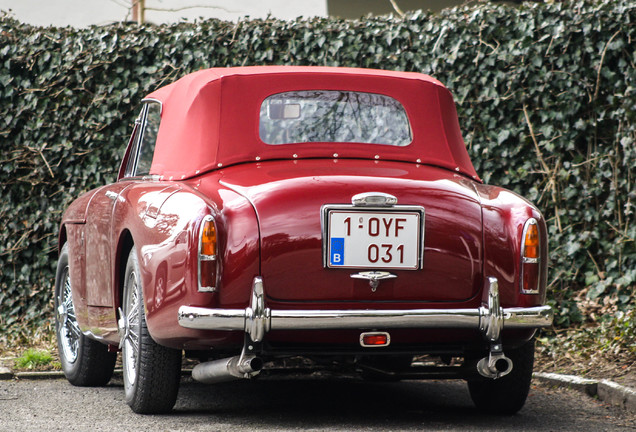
(333, 116)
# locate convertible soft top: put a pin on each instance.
(210, 119)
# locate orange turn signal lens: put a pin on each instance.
(208, 238)
(530, 258)
(208, 262)
(531, 241)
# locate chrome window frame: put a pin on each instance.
(140, 122)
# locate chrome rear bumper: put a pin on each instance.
(257, 319)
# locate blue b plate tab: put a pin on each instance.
(337, 251)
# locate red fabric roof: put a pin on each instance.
(210, 118)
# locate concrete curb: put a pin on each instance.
(605, 390)
(617, 394)
(5, 374)
(39, 375)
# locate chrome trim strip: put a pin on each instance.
(153, 100)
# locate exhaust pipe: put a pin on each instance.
(494, 366)
(228, 369)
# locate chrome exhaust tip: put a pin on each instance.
(228, 369)
(494, 366)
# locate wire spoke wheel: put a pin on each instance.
(151, 372)
(85, 362)
(68, 331)
(132, 329)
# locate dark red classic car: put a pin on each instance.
(326, 214)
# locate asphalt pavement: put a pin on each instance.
(603, 390)
(48, 402)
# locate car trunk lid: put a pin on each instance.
(292, 199)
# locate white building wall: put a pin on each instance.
(82, 13)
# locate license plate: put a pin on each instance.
(365, 239)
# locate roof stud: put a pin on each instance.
(258, 158)
(335, 155)
(419, 161)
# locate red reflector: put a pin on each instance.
(207, 275)
(375, 339)
(530, 280)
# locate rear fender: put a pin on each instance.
(170, 266)
(504, 216)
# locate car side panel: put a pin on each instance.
(99, 238)
(77, 262)
(72, 228)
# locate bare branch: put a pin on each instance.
(550, 174)
(190, 7)
(600, 65)
(396, 8)
(46, 162)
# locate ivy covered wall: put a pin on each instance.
(546, 95)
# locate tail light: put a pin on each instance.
(530, 258)
(375, 339)
(208, 260)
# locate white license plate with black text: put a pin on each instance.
(374, 239)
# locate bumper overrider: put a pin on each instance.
(258, 319)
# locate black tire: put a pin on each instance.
(508, 394)
(85, 362)
(151, 371)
